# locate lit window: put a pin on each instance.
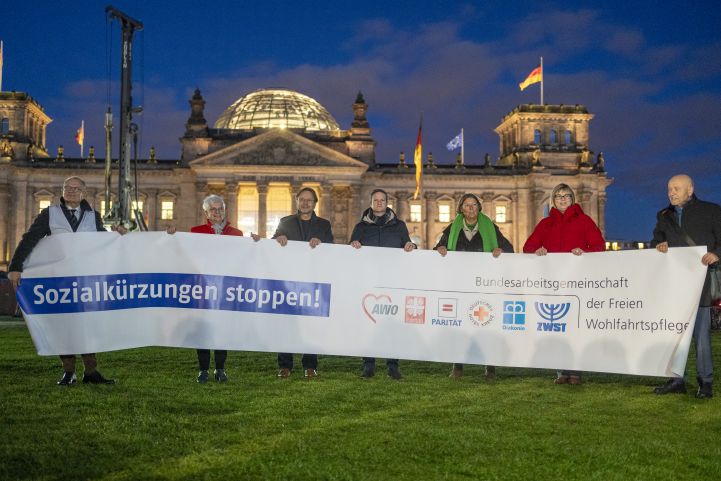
(279, 204)
(416, 212)
(614, 246)
(43, 204)
(166, 209)
(641, 245)
(501, 214)
(137, 205)
(248, 209)
(444, 213)
(102, 208)
(390, 206)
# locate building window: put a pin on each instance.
(4, 125)
(569, 137)
(279, 204)
(166, 209)
(537, 137)
(501, 214)
(554, 137)
(444, 213)
(43, 204)
(416, 212)
(248, 209)
(137, 205)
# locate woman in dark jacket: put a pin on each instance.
(472, 231)
(381, 227)
(566, 229)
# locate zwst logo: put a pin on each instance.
(551, 314)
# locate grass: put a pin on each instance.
(158, 423)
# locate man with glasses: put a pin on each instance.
(72, 214)
(303, 226)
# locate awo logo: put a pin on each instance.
(551, 315)
(480, 313)
(379, 307)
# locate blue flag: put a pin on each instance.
(455, 142)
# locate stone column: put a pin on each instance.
(262, 187)
(231, 204)
(18, 212)
(584, 198)
(339, 216)
(516, 240)
(326, 200)
(355, 207)
(201, 192)
(430, 214)
(402, 209)
(537, 196)
(601, 213)
(4, 226)
(151, 207)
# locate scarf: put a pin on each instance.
(218, 228)
(485, 228)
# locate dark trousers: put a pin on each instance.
(204, 359)
(372, 360)
(89, 360)
(309, 361)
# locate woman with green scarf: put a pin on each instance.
(472, 231)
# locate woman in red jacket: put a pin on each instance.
(566, 229)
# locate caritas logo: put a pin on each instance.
(415, 310)
(379, 307)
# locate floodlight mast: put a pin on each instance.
(121, 212)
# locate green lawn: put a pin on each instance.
(158, 423)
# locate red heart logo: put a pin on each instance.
(377, 298)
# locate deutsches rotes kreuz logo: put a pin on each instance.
(480, 313)
(514, 315)
(552, 315)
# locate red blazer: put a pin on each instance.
(207, 228)
(564, 232)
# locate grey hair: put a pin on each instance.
(211, 199)
(74, 177)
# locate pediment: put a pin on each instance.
(277, 148)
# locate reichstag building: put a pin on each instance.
(270, 143)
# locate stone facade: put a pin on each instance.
(259, 170)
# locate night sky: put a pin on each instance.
(649, 71)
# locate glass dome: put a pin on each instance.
(276, 108)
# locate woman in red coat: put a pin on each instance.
(566, 229)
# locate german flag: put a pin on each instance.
(534, 77)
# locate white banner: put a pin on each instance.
(626, 312)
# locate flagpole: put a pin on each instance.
(463, 146)
(543, 74)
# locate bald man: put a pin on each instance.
(689, 221)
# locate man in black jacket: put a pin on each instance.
(302, 226)
(689, 221)
(72, 214)
(381, 227)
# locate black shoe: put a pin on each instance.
(394, 371)
(369, 370)
(96, 378)
(673, 385)
(704, 391)
(202, 376)
(68, 379)
(220, 375)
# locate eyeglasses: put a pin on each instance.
(72, 189)
(563, 196)
(216, 210)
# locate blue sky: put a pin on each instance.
(650, 74)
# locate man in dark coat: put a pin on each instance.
(689, 221)
(303, 226)
(381, 227)
(72, 214)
